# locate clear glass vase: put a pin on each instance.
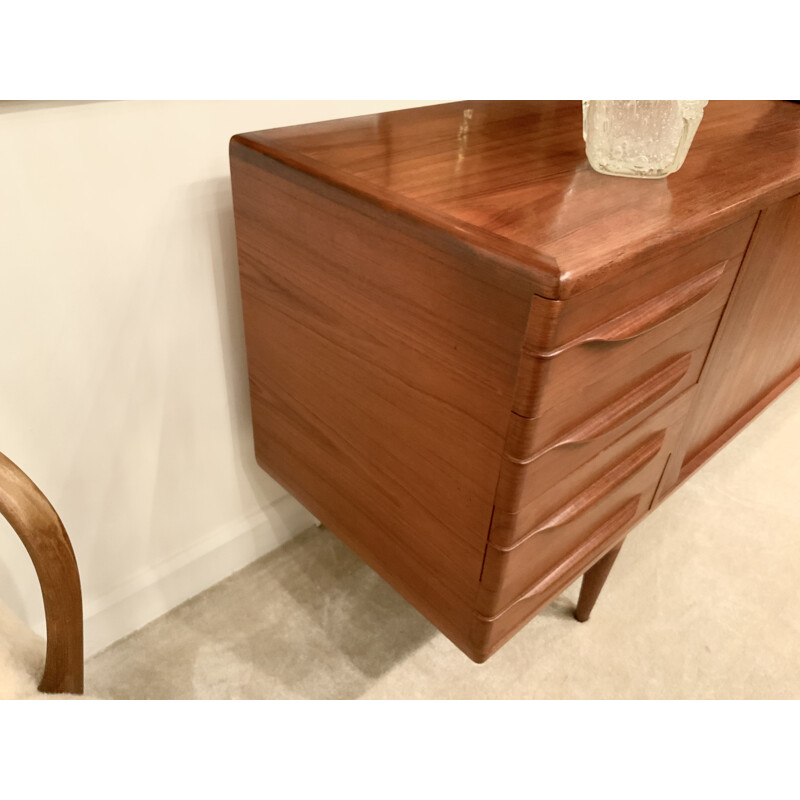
(639, 138)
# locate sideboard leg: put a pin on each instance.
(592, 584)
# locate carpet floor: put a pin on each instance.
(701, 604)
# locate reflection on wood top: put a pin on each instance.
(511, 178)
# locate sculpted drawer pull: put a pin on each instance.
(618, 520)
(600, 489)
(621, 410)
(649, 316)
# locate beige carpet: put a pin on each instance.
(22, 655)
(702, 603)
(21, 658)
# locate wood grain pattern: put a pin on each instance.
(471, 356)
(593, 582)
(555, 323)
(759, 339)
(490, 632)
(697, 460)
(627, 410)
(296, 454)
(39, 527)
(680, 320)
(610, 479)
(647, 316)
(381, 372)
(528, 494)
(560, 392)
(512, 178)
(756, 353)
(509, 571)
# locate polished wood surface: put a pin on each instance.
(490, 632)
(637, 401)
(647, 316)
(758, 344)
(688, 466)
(680, 320)
(510, 570)
(535, 494)
(553, 324)
(39, 527)
(382, 371)
(592, 583)
(512, 178)
(473, 358)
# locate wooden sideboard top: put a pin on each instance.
(511, 178)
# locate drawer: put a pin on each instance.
(619, 492)
(531, 492)
(491, 631)
(528, 439)
(556, 390)
(554, 323)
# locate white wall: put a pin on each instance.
(123, 387)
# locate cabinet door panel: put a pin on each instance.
(757, 346)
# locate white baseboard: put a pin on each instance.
(153, 592)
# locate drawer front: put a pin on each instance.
(554, 323)
(530, 493)
(618, 496)
(559, 389)
(491, 631)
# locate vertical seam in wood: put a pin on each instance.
(522, 341)
(730, 295)
(740, 271)
(486, 545)
(661, 479)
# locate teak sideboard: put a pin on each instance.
(480, 363)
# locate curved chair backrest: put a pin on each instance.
(38, 526)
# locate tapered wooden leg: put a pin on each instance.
(38, 526)
(592, 584)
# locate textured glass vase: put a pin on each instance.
(639, 138)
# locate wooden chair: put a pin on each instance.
(38, 526)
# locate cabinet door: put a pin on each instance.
(756, 351)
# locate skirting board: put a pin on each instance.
(153, 592)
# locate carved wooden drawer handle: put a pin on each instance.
(632, 463)
(650, 315)
(616, 522)
(621, 410)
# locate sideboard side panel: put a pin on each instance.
(382, 370)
